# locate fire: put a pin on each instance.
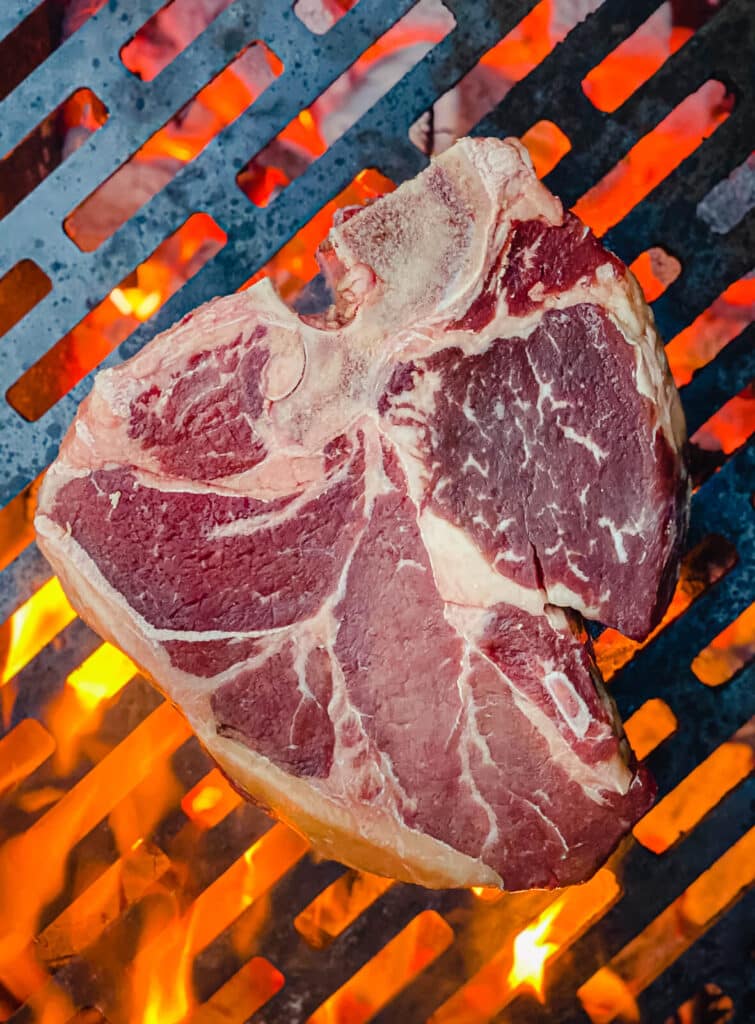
(34, 625)
(487, 894)
(101, 676)
(77, 711)
(339, 905)
(531, 952)
(248, 886)
(211, 800)
(161, 992)
(135, 302)
(138, 296)
(135, 787)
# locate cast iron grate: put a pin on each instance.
(667, 217)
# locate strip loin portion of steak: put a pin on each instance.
(355, 548)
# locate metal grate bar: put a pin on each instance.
(282, 942)
(727, 505)
(553, 88)
(305, 991)
(257, 233)
(697, 61)
(84, 276)
(669, 211)
(63, 71)
(719, 956)
(12, 16)
(660, 880)
(713, 385)
(706, 276)
(720, 712)
(696, 628)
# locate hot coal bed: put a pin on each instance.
(155, 155)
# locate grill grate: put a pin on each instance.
(232, 962)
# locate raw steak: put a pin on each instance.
(355, 548)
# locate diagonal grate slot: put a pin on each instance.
(112, 816)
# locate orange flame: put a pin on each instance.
(77, 711)
(161, 990)
(134, 785)
(34, 625)
(531, 952)
(337, 906)
(101, 676)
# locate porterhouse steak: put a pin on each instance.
(355, 548)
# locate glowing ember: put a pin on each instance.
(135, 787)
(727, 653)
(649, 726)
(134, 302)
(655, 269)
(546, 144)
(531, 952)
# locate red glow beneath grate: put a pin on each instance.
(174, 27)
(177, 143)
(712, 330)
(635, 60)
(316, 128)
(655, 270)
(178, 910)
(654, 157)
(135, 299)
(728, 429)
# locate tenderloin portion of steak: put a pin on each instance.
(355, 549)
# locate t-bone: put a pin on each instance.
(355, 548)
